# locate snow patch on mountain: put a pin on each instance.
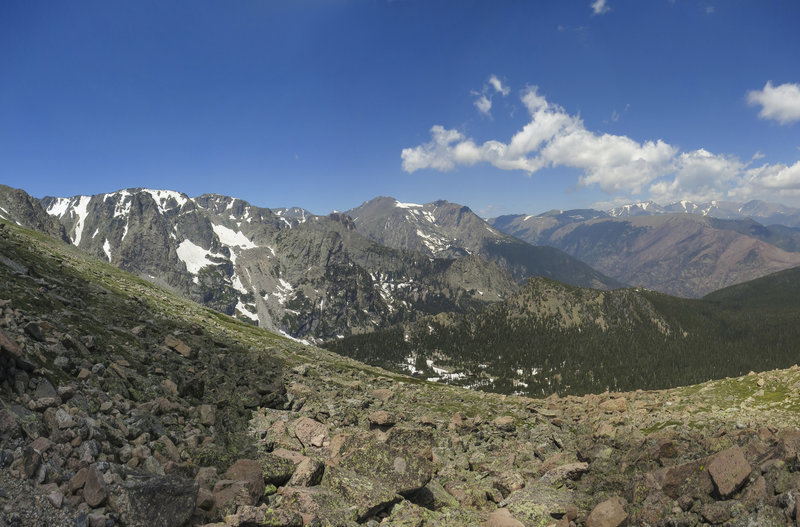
(59, 207)
(242, 308)
(107, 249)
(163, 199)
(401, 205)
(194, 256)
(81, 210)
(232, 238)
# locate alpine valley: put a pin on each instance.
(157, 366)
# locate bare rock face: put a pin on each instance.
(729, 470)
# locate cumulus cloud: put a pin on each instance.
(769, 181)
(698, 175)
(484, 105)
(780, 103)
(498, 86)
(484, 97)
(553, 137)
(599, 7)
(615, 164)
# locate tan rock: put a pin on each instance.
(311, 432)
(611, 406)
(207, 414)
(382, 418)
(308, 473)
(502, 518)
(609, 513)
(729, 470)
(505, 423)
(249, 471)
(178, 346)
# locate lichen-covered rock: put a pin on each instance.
(368, 495)
(400, 471)
(158, 501)
(539, 504)
(263, 516)
(318, 503)
(275, 470)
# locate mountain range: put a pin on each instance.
(311, 277)
(685, 254)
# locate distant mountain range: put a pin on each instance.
(286, 269)
(760, 211)
(689, 253)
(444, 229)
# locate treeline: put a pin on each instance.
(655, 341)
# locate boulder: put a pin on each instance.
(276, 470)
(690, 479)
(207, 414)
(311, 432)
(160, 501)
(94, 489)
(263, 516)
(230, 494)
(308, 473)
(729, 471)
(400, 471)
(502, 518)
(609, 513)
(317, 503)
(505, 423)
(249, 471)
(539, 504)
(368, 495)
(178, 346)
(382, 419)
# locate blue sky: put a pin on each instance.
(505, 106)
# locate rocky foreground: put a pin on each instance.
(125, 405)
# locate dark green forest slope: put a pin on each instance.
(554, 338)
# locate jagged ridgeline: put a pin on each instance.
(554, 338)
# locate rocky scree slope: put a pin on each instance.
(447, 229)
(307, 276)
(123, 404)
(679, 254)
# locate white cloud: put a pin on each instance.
(498, 86)
(483, 105)
(615, 164)
(553, 137)
(698, 175)
(599, 7)
(484, 101)
(781, 103)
